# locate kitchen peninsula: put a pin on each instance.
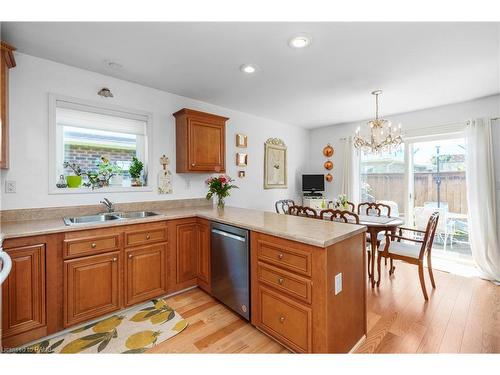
(307, 275)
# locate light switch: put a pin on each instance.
(338, 283)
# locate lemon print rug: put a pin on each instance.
(134, 331)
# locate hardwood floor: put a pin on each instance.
(461, 316)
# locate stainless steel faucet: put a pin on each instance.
(108, 204)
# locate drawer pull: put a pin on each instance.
(282, 319)
(130, 256)
(114, 259)
(280, 256)
(280, 281)
(93, 245)
(193, 165)
(148, 236)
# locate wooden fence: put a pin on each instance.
(391, 186)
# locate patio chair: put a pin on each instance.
(414, 253)
(445, 229)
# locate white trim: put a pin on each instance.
(443, 130)
(109, 109)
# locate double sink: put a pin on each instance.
(103, 218)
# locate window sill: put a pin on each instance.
(109, 189)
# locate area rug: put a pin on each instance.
(134, 331)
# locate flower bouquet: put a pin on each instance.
(219, 186)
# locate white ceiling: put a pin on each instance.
(418, 65)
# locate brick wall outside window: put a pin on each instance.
(88, 156)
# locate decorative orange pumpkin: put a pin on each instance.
(328, 150)
(329, 177)
(328, 165)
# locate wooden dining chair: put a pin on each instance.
(352, 206)
(302, 211)
(339, 215)
(393, 248)
(374, 209)
(283, 205)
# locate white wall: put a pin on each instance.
(34, 78)
(438, 116)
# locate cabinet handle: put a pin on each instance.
(148, 236)
(280, 256)
(130, 256)
(114, 259)
(93, 245)
(280, 281)
(193, 165)
(282, 319)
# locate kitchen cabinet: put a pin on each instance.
(92, 287)
(200, 141)
(145, 273)
(24, 302)
(204, 255)
(7, 62)
(187, 252)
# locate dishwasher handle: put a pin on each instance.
(230, 235)
(6, 265)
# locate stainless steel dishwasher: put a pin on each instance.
(230, 266)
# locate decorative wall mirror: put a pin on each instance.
(275, 168)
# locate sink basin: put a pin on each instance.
(102, 218)
(136, 214)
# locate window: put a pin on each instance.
(99, 141)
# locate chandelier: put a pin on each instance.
(383, 136)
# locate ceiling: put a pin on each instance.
(418, 65)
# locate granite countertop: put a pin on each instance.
(306, 230)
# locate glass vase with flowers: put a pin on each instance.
(220, 187)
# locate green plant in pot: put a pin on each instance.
(106, 170)
(135, 171)
(75, 180)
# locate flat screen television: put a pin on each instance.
(313, 182)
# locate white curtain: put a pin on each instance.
(481, 198)
(350, 178)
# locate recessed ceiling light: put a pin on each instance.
(299, 41)
(248, 68)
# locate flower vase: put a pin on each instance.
(220, 202)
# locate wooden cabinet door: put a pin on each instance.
(187, 252)
(91, 287)
(145, 273)
(204, 255)
(206, 146)
(23, 293)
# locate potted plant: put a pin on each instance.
(219, 186)
(106, 170)
(73, 181)
(135, 171)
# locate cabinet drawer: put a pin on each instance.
(296, 286)
(286, 320)
(145, 236)
(284, 256)
(91, 245)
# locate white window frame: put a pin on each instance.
(100, 108)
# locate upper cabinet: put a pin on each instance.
(6, 62)
(200, 141)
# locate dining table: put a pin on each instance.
(374, 226)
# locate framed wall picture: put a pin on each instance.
(241, 140)
(275, 168)
(241, 159)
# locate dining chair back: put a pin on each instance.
(283, 205)
(302, 211)
(374, 209)
(339, 215)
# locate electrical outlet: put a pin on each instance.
(10, 186)
(338, 283)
